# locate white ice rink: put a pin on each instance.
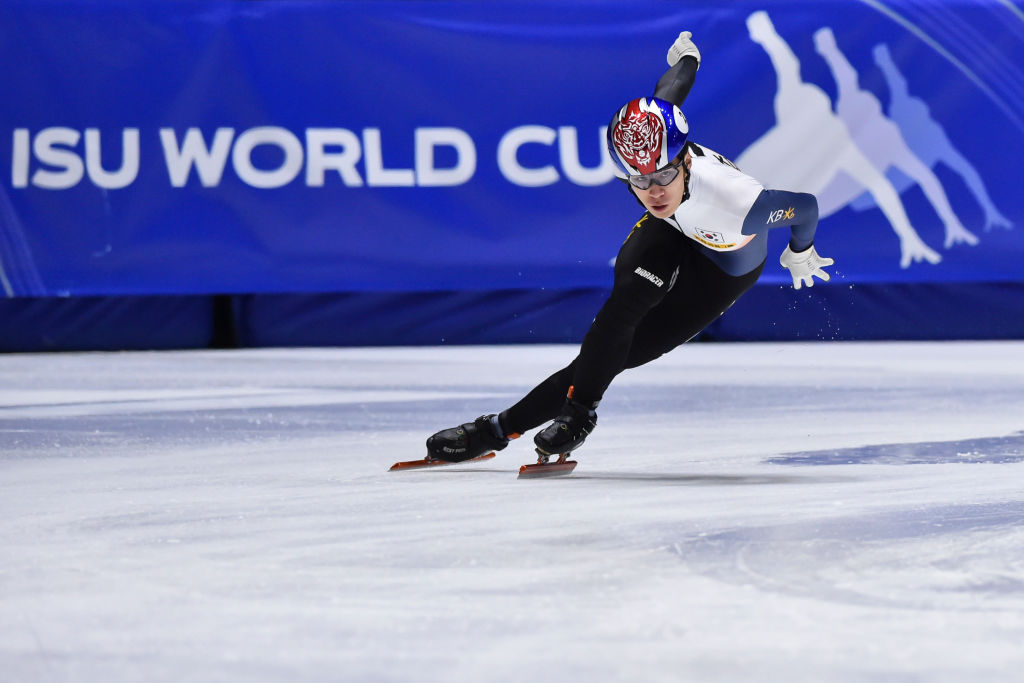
(743, 512)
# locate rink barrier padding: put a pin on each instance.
(835, 311)
(112, 323)
(766, 313)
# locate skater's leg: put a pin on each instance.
(701, 294)
(541, 405)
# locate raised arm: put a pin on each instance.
(683, 61)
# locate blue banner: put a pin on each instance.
(190, 147)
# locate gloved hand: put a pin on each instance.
(804, 265)
(683, 47)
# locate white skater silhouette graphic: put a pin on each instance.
(880, 140)
(807, 130)
(929, 142)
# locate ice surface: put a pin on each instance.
(743, 512)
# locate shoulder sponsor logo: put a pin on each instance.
(648, 275)
(782, 215)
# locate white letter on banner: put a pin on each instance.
(509, 165)
(344, 162)
(20, 158)
(376, 174)
(70, 163)
(112, 180)
(569, 153)
(209, 163)
(429, 138)
(241, 156)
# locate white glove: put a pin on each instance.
(804, 265)
(683, 47)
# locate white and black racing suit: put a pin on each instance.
(674, 277)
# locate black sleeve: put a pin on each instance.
(674, 85)
(643, 274)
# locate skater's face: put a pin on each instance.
(663, 200)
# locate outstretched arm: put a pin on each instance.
(779, 208)
(798, 210)
(683, 61)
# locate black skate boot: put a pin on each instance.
(467, 441)
(568, 431)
